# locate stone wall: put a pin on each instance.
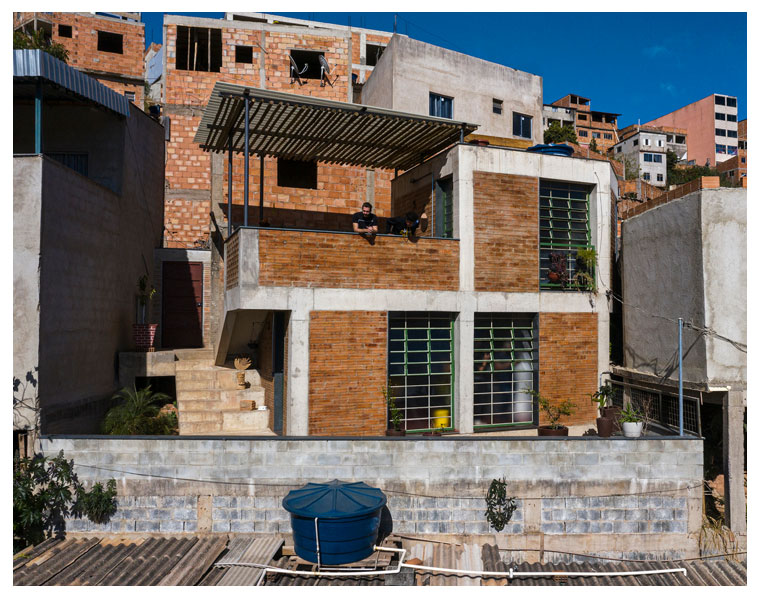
(638, 498)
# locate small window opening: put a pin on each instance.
(130, 96)
(110, 42)
(497, 106)
(297, 174)
(307, 63)
(244, 54)
(64, 31)
(198, 49)
(374, 52)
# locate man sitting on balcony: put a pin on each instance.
(365, 222)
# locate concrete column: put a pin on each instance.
(733, 460)
(464, 334)
(464, 221)
(298, 373)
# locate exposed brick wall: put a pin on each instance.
(419, 200)
(347, 370)
(568, 345)
(506, 232)
(306, 259)
(232, 256)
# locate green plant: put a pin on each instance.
(145, 293)
(38, 40)
(138, 414)
(592, 146)
(630, 415)
(394, 414)
(46, 491)
(604, 396)
(553, 411)
(556, 134)
(499, 506)
(558, 265)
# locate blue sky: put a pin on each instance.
(642, 65)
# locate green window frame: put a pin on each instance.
(564, 229)
(421, 368)
(444, 207)
(505, 355)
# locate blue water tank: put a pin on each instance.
(347, 515)
(555, 149)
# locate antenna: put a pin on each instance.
(324, 67)
(295, 73)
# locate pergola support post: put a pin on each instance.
(229, 187)
(261, 188)
(247, 102)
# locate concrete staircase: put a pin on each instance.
(209, 400)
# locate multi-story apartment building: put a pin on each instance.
(106, 46)
(645, 149)
(561, 115)
(591, 124)
(711, 123)
(415, 77)
(735, 168)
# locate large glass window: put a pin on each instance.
(441, 106)
(564, 230)
(506, 369)
(521, 125)
(421, 368)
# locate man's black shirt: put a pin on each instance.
(364, 222)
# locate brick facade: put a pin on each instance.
(419, 200)
(506, 232)
(347, 370)
(568, 344)
(306, 259)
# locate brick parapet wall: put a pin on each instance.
(347, 370)
(568, 344)
(703, 183)
(644, 494)
(506, 232)
(316, 259)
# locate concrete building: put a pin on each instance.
(711, 123)
(735, 168)
(106, 46)
(645, 149)
(687, 258)
(561, 115)
(87, 212)
(595, 125)
(415, 77)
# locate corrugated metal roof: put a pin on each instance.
(307, 128)
(39, 64)
(249, 550)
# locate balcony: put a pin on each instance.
(257, 256)
(567, 267)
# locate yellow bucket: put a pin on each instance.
(441, 418)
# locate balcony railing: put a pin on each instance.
(567, 267)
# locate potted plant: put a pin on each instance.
(394, 414)
(558, 268)
(554, 413)
(144, 333)
(604, 423)
(632, 421)
(585, 261)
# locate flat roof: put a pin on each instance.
(308, 128)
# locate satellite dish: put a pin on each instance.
(324, 68)
(295, 73)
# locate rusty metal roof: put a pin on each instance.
(307, 128)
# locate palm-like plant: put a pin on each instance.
(138, 415)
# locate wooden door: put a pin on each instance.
(182, 289)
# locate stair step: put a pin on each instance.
(200, 405)
(208, 394)
(248, 421)
(200, 429)
(209, 416)
(194, 353)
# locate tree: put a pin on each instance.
(139, 414)
(592, 146)
(37, 40)
(556, 134)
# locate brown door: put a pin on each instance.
(182, 324)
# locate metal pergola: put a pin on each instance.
(251, 120)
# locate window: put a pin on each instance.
(582, 117)
(607, 136)
(647, 157)
(720, 131)
(635, 142)
(731, 102)
(720, 100)
(670, 139)
(646, 141)
(659, 143)
(441, 106)
(657, 158)
(506, 369)
(198, 49)
(732, 150)
(595, 134)
(110, 42)
(421, 368)
(597, 118)
(720, 148)
(297, 174)
(444, 208)
(731, 118)
(720, 116)
(659, 177)
(308, 59)
(130, 96)
(732, 133)
(497, 106)
(374, 52)
(619, 149)
(680, 139)
(64, 31)
(744, 160)
(563, 226)
(77, 162)
(743, 144)
(244, 54)
(582, 133)
(645, 176)
(521, 125)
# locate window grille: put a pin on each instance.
(421, 368)
(506, 369)
(662, 407)
(564, 229)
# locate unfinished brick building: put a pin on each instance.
(591, 124)
(106, 46)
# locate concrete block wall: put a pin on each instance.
(637, 498)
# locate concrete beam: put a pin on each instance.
(734, 404)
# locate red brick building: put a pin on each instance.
(595, 125)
